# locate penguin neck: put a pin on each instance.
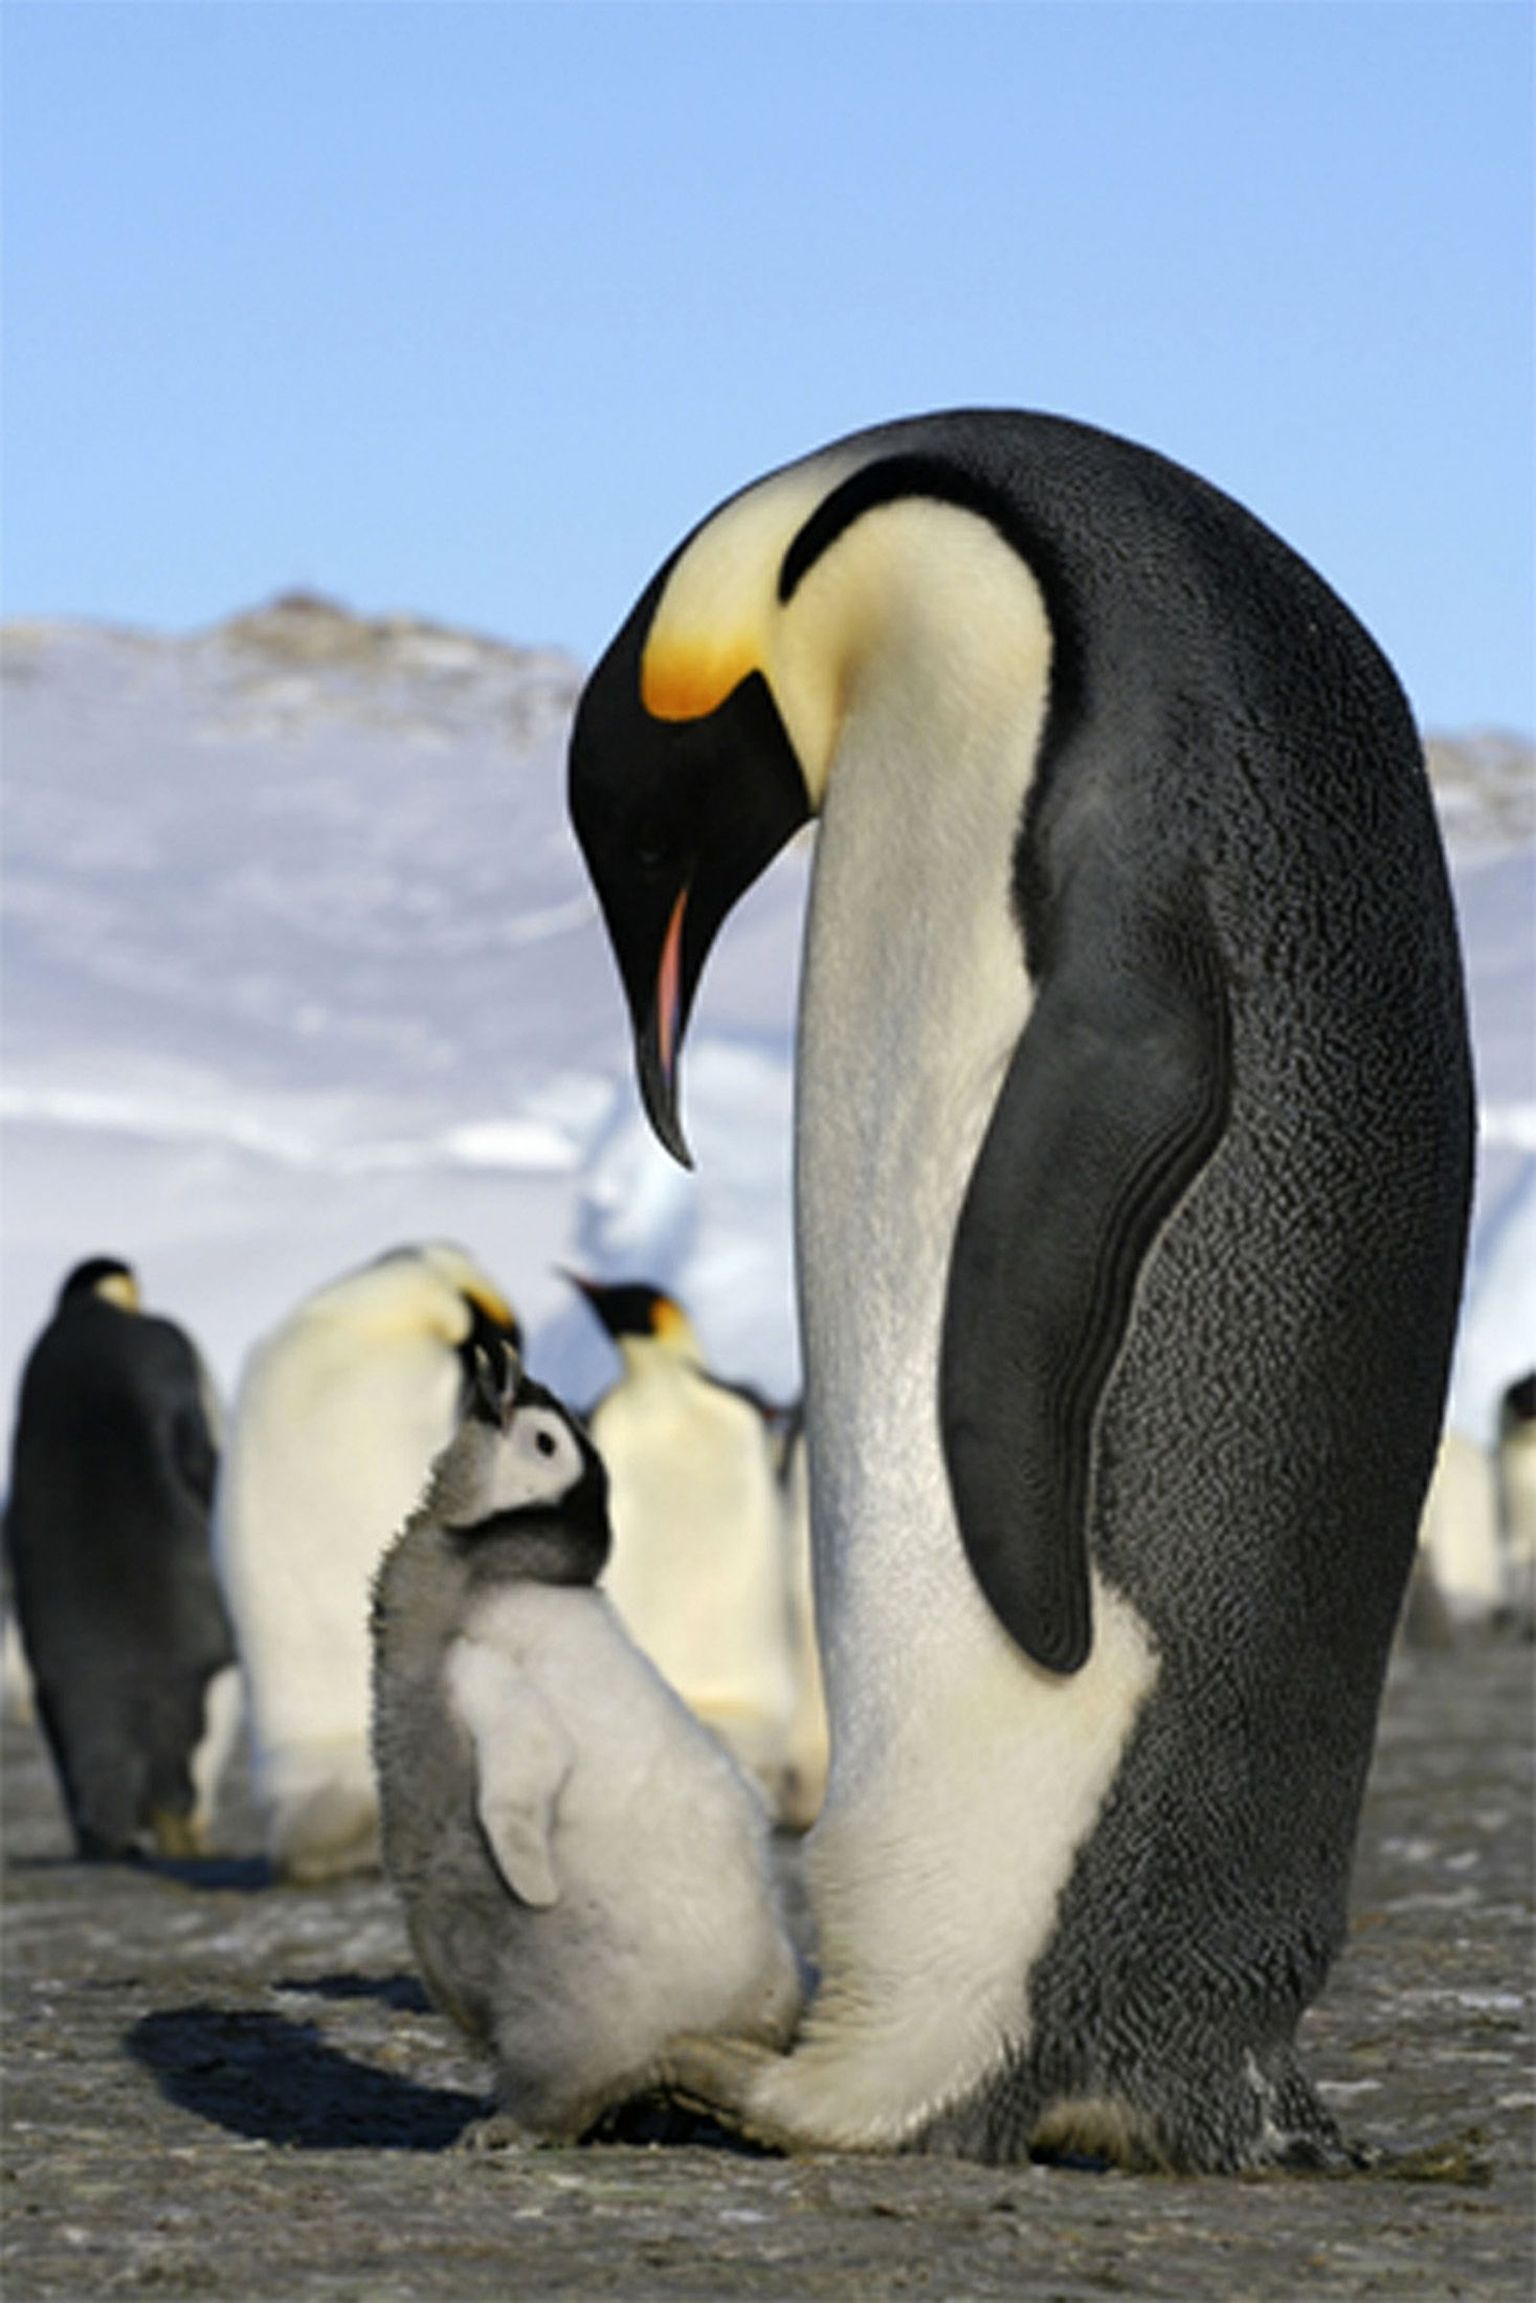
(914, 995)
(651, 1359)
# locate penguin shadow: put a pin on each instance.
(270, 2079)
(215, 1874)
(406, 1994)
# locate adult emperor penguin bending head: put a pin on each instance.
(1133, 1145)
(341, 1408)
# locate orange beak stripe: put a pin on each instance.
(669, 978)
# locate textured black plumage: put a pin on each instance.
(107, 1529)
(1203, 1283)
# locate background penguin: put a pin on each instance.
(339, 1414)
(1461, 1562)
(809, 1742)
(1133, 1149)
(1517, 1499)
(699, 1571)
(107, 1531)
(585, 1873)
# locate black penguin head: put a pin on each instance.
(705, 737)
(633, 1310)
(676, 818)
(493, 1330)
(103, 1277)
(522, 1474)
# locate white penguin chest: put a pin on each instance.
(915, 995)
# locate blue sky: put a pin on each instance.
(470, 308)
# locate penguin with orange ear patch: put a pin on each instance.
(340, 1411)
(1133, 1139)
(699, 1572)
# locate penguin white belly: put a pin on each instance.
(697, 1573)
(319, 1475)
(1517, 1508)
(1459, 1530)
(655, 1827)
(964, 1778)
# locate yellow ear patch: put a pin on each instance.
(670, 1325)
(494, 1306)
(715, 620)
(683, 682)
(121, 1288)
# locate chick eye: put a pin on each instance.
(544, 1441)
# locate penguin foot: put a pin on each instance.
(180, 1837)
(328, 1834)
(498, 2132)
(718, 2077)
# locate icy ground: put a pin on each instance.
(300, 962)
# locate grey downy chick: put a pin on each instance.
(585, 1872)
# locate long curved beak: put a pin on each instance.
(661, 1039)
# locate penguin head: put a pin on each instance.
(433, 1287)
(708, 733)
(104, 1278)
(521, 1472)
(641, 1318)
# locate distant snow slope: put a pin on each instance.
(300, 962)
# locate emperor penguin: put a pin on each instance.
(1461, 1552)
(107, 1530)
(1133, 1136)
(699, 1573)
(1517, 1498)
(585, 1873)
(809, 1736)
(339, 1412)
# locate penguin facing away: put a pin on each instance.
(340, 1410)
(107, 1532)
(1132, 1167)
(699, 1573)
(584, 1871)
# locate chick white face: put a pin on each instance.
(517, 1452)
(536, 1463)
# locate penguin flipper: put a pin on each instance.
(522, 1756)
(1115, 1097)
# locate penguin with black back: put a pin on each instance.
(584, 1871)
(1133, 1136)
(113, 1465)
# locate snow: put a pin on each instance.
(301, 962)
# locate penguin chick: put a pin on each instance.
(107, 1530)
(340, 1410)
(699, 1572)
(585, 1873)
